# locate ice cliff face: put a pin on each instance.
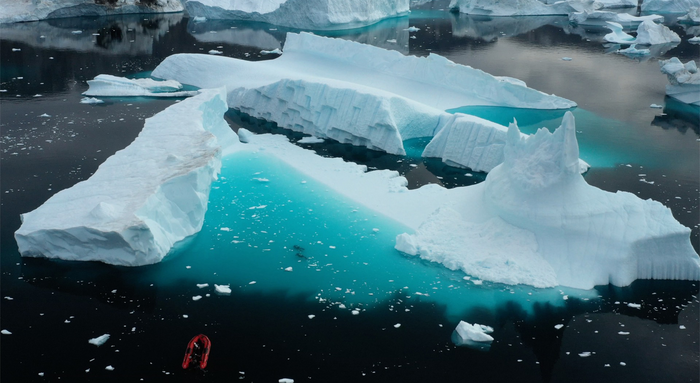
(536, 221)
(144, 198)
(303, 14)
(31, 10)
(355, 93)
(684, 80)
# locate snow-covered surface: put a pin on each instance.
(353, 93)
(600, 17)
(684, 80)
(692, 17)
(474, 332)
(536, 221)
(518, 7)
(303, 14)
(669, 6)
(650, 33)
(108, 85)
(144, 198)
(13, 11)
(617, 35)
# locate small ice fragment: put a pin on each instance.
(215, 52)
(196, 297)
(202, 285)
(223, 289)
(412, 29)
(623, 332)
(91, 100)
(185, 316)
(275, 51)
(566, 297)
(623, 364)
(477, 282)
(188, 267)
(397, 325)
(5, 332)
(606, 365)
(681, 327)
(41, 374)
(225, 229)
(286, 380)
(8, 298)
(375, 230)
(585, 354)
(290, 269)
(355, 312)
(342, 306)
(566, 58)
(392, 41)
(16, 49)
(312, 316)
(558, 326)
(634, 305)
(252, 282)
(109, 368)
(474, 332)
(45, 115)
(655, 106)
(100, 340)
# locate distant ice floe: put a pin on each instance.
(692, 17)
(360, 94)
(684, 80)
(105, 85)
(669, 6)
(24, 10)
(302, 14)
(144, 198)
(536, 221)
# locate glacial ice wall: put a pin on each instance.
(302, 14)
(144, 198)
(15, 11)
(536, 221)
(108, 85)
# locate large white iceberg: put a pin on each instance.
(669, 6)
(536, 221)
(692, 17)
(353, 93)
(108, 85)
(684, 80)
(144, 198)
(650, 33)
(13, 11)
(303, 14)
(600, 17)
(518, 7)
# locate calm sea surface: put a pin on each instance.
(351, 309)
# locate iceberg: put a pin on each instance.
(632, 51)
(692, 17)
(669, 6)
(519, 7)
(27, 10)
(684, 80)
(536, 221)
(618, 35)
(106, 85)
(144, 198)
(351, 92)
(650, 33)
(302, 14)
(474, 332)
(600, 17)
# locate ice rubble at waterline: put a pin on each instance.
(536, 221)
(302, 14)
(13, 11)
(684, 80)
(141, 200)
(364, 95)
(648, 33)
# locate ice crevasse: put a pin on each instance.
(536, 221)
(363, 95)
(144, 198)
(303, 14)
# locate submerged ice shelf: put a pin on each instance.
(360, 94)
(144, 198)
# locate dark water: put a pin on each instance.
(262, 332)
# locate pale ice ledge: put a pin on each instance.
(105, 85)
(521, 7)
(144, 198)
(13, 11)
(684, 80)
(355, 93)
(536, 221)
(302, 14)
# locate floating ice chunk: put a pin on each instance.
(632, 51)
(692, 17)
(669, 6)
(215, 52)
(109, 368)
(252, 282)
(558, 326)
(474, 332)
(566, 58)
(5, 332)
(623, 332)
(7, 297)
(600, 17)
(196, 297)
(275, 51)
(100, 340)
(302, 14)
(311, 316)
(311, 140)
(154, 199)
(108, 85)
(694, 40)
(634, 305)
(45, 115)
(617, 35)
(199, 19)
(412, 29)
(538, 206)
(289, 269)
(223, 289)
(91, 100)
(355, 312)
(585, 354)
(397, 325)
(684, 80)
(286, 380)
(650, 33)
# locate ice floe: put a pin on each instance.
(108, 85)
(144, 198)
(24, 10)
(100, 340)
(600, 17)
(617, 35)
(669, 6)
(302, 14)
(472, 335)
(519, 7)
(684, 80)
(650, 33)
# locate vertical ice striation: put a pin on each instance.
(144, 198)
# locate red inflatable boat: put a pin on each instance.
(197, 353)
